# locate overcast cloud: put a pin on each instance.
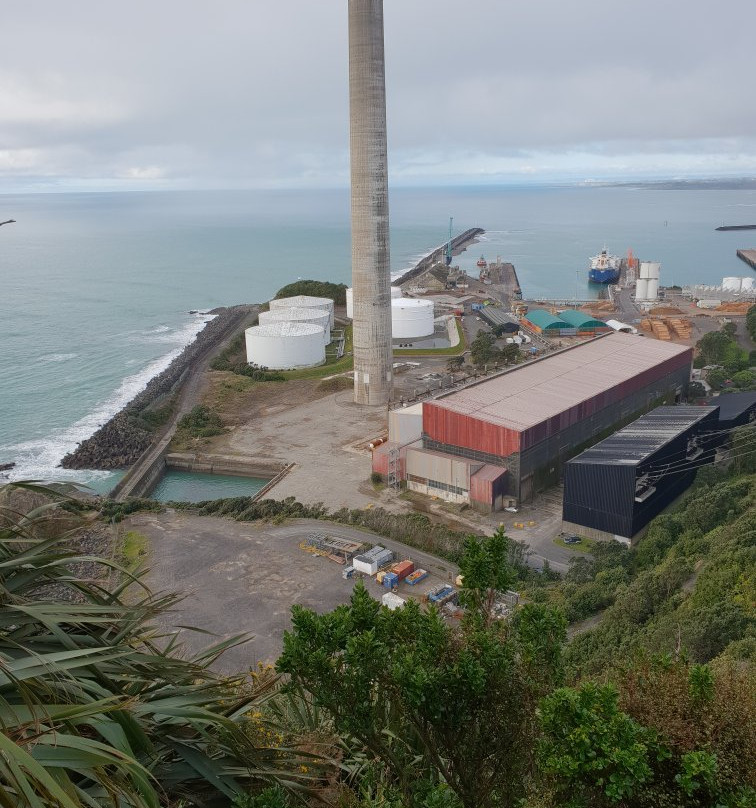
(246, 93)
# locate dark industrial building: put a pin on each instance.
(735, 409)
(531, 419)
(615, 488)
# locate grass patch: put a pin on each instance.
(133, 548)
(585, 546)
(451, 351)
(332, 365)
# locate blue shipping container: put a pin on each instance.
(390, 579)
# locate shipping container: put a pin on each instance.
(380, 576)
(390, 580)
(442, 594)
(416, 576)
(392, 600)
(371, 561)
(403, 569)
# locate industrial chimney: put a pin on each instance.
(371, 276)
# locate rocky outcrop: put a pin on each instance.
(119, 443)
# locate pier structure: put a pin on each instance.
(749, 256)
(371, 270)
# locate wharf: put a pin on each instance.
(503, 276)
(749, 256)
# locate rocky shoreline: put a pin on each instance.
(120, 442)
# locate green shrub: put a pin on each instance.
(334, 291)
(201, 422)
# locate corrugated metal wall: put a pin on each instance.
(602, 496)
(443, 469)
(487, 487)
(595, 404)
(554, 441)
(455, 429)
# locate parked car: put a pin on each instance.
(572, 539)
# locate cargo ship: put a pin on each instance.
(604, 268)
(482, 263)
(737, 227)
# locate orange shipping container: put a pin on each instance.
(403, 569)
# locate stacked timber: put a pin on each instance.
(680, 326)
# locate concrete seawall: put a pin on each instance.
(142, 481)
(224, 464)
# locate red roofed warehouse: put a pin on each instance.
(528, 421)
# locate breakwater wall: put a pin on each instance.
(129, 434)
(459, 243)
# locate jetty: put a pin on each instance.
(749, 256)
(458, 244)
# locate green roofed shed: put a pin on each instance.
(581, 321)
(544, 321)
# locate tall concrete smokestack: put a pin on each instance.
(371, 274)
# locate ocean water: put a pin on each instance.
(97, 287)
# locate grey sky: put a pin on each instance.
(95, 93)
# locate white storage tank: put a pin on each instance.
(653, 288)
(396, 292)
(285, 346)
(411, 318)
(641, 289)
(746, 284)
(732, 284)
(304, 302)
(314, 316)
(650, 269)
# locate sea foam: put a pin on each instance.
(40, 459)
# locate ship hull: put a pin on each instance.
(603, 275)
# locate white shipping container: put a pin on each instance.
(709, 304)
(393, 601)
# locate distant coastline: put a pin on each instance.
(714, 184)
